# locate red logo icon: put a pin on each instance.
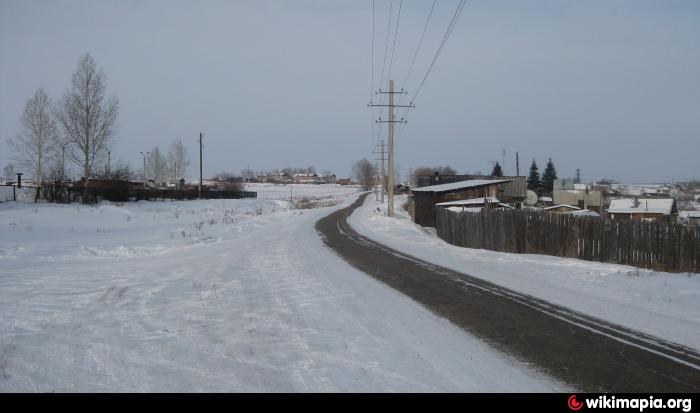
(573, 404)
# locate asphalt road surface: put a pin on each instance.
(591, 355)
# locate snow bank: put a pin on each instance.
(662, 304)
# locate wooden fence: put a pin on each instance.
(121, 191)
(184, 194)
(659, 246)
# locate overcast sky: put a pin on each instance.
(611, 87)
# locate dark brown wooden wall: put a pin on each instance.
(654, 245)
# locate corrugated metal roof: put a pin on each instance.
(459, 185)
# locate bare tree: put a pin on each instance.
(156, 166)
(35, 145)
(364, 172)
(121, 172)
(247, 173)
(87, 118)
(9, 172)
(445, 170)
(228, 181)
(178, 161)
(428, 171)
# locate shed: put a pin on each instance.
(512, 191)
(425, 198)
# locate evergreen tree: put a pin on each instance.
(497, 170)
(548, 177)
(533, 181)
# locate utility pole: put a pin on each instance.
(503, 165)
(109, 158)
(517, 165)
(382, 176)
(376, 180)
(144, 168)
(390, 148)
(200, 165)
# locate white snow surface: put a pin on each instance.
(662, 304)
(217, 295)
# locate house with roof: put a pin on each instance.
(567, 191)
(693, 218)
(305, 178)
(644, 209)
(424, 199)
(561, 209)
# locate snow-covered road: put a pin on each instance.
(661, 304)
(226, 295)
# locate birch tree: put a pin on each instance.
(157, 166)
(88, 119)
(35, 145)
(178, 160)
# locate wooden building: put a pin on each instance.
(424, 199)
(514, 191)
(694, 218)
(561, 209)
(661, 210)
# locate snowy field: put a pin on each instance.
(218, 295)
(661, 304)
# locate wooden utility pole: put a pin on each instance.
(503, 165)
(390, 144)
(200, 165)
(144, 167)
(382, 174)
(390, 149)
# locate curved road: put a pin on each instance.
(590, 354)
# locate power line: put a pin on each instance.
(372, 70)
(420, 43)
(386, 43)
(396, 31)
(446, 36)
(386, 50)
(413, 62)
(372, 53)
